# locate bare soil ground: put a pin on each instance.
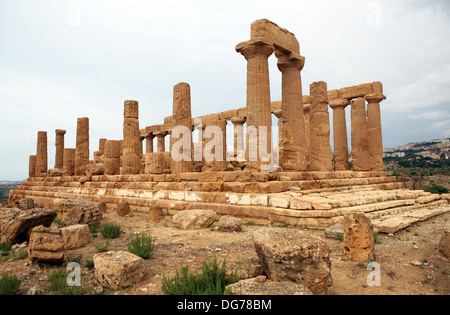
(409, 260)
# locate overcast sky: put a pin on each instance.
(60, 60)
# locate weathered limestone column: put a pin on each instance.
(307, 114)
(82, 146)
(181, 135)
(59, 143)
(374, 131)
(69, 162)
(149, 143)
(340, 134)
(161, 144)
(239, 148)
(360, 135)
(112, 157)
(259, 111)
(32, 166)
(132, 146)
(215, 149)
(292, 125)
(321, 159)
(41, 154)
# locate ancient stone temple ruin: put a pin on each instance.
(304, 181)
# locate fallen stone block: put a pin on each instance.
(229, 224)
(81, 211)
(118, 270)
(194, 219)
(46, 245)
(293, 255)
(254, 287)
(75, 236)
(15, 223)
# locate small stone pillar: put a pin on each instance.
(359, 240)
(59, 143)
(41, 154)
(111, 160)
(291, 123)
(149, 143)
(259, 111)
(182, 120)
(321, 158)
(82, 146)
(374, 131)
(340, 134)
(32, 166)
(69, 162)
(360, 135)
(307, 114)
(132, 147)
(239, 149)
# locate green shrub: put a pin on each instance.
(5, 247)
(73, 258)
(94, 228)
(436, 189)
(102, 247)
(9, 284)
(142, 246)
(111, 231)
(211, 281)
(90, 263)
(58, 284)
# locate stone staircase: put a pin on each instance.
(313, 199)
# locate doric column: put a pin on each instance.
(82, 146)
(360, 135)
(239, 149)
(41, 154)
(259, 111)
(340, 134)
(59, 143)
(321, 159)
(181, 136)
(69, 162)
(307, 114)
(149, 143)
(374, 130)
(132, 146)
(161, 144)
(112, 157)
(292, 126)
(32, 166)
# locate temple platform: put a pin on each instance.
(312, 199)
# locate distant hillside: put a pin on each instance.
(5, 187)
(426, 154)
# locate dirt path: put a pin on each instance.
(408, 261)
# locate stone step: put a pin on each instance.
(395, 223)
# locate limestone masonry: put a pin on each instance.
(303, 181)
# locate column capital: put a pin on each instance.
(289, 61)
(339, 103)
(238, 120)
(254, 48)
(374, 98)
(306, 107)
(60, 132)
